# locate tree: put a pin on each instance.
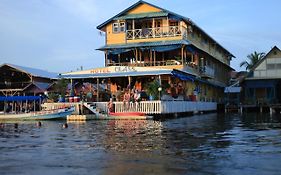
(253, 58)
(152, 89)
(60, 89)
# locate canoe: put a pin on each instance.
(39, 115)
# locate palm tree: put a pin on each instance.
(253, 58)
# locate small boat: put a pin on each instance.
(38, 115)
(128, 114)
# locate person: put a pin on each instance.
(110, 105)
(174, 93)
(126, 100)
(39, 124)
(65, 125)
(137, 98)
(138, 85)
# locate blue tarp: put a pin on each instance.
(21, 98)
(166, 48)
(183, 77)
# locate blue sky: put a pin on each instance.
(61, 35)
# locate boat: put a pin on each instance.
(128, 116)
(38, 115)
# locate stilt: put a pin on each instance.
(260, 109)
(271, 110)
(241, 110)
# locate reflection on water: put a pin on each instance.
(204, 144)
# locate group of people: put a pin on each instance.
(132, 96)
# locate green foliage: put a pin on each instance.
(61, 87)
(253, 58)
(152, 89)
(53, 96)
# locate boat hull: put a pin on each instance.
(44, 115)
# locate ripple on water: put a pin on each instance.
(204, 144)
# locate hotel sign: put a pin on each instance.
(125, 69)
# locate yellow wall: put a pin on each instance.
(114, 38)
(143, 8)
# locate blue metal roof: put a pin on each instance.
(33, 71)
(145, 44)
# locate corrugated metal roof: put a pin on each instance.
(142, 15)
(33, 71)
(144, 44)
(42, 86)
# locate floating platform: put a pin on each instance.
(106, 117)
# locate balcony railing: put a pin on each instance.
(157, 32)
(145, 63)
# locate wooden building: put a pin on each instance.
(263, 84)
(20, 80)
(145, 42)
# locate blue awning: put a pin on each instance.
(260, 83)
(119, 51)
(183, 77)
(21, 98)
(165, 48)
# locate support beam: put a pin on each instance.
(133, 26)
(106, 58)
(182, 47)
(98, 89)
(154, 57)
(119, 61)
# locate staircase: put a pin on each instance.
(94, 109)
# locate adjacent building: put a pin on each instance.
(263, 84)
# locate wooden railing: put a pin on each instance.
(157, 32)
(146, 63)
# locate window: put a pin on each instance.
(122, 26)
(270, 66)
(115, 27)
(119, 27)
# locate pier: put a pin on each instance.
(86, 110)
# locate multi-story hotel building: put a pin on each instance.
(146, 42)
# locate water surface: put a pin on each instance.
(203, 144)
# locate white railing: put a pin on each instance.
(148, 107)
(157, 32)
(169, 107)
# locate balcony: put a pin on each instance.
(146, 63)
(207, 72)
(157, 32)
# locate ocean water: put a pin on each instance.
(202, 144)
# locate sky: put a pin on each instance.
(61, 35)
